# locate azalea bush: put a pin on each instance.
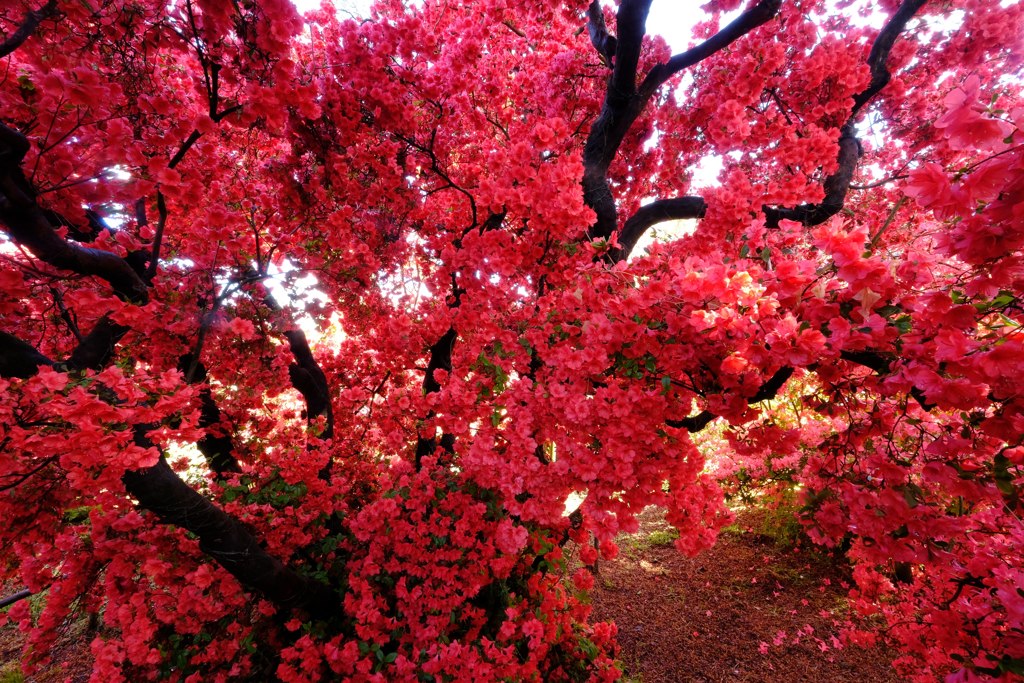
(311, 325)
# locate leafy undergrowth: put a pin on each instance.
(752, 608)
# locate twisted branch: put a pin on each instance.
(227, 540)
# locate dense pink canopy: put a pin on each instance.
(311, 325)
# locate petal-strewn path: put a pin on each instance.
(744, 611)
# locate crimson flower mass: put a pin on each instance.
(239, 481)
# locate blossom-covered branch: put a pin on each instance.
(765, 392)
(27, 225)
(624, 102)
(161, 491)
(837, 184)
(761, 13)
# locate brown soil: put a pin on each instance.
(742, 611)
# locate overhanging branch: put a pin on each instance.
(767, 391)
(28, 226)
(624, 102)
(28, 26)
(218, 449)
(19, 358)
(759, 14)
(602, 41)
(659, 211)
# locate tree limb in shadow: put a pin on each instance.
(767, 391)
(602, 41)
(624, 103)
(217, 448)
(28, 26)
(28, 226)
(222, 537)
(759, 14)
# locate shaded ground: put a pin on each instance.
(70, 659)
(747, 610)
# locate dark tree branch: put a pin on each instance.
(217, 448)
(837, 184)
(631, 23)
(441, 355)
(602, 41)
(869, 359)
(31, 22)
(624, 103)
(16, 597)
(225, 539)
(19, 358)
(185, 147)
(96, 349)
(659, 211)
(879, 54)
(309, 379)
(515, 29)
(759, 14)
(882, 364)
(440, 359)
(65, 314)
(618, 112)
(772, 387)
(694, 423)
(768, 390)
(158, 237)
(305, 373)
(28, 226)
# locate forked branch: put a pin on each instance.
(767, 391)
(659, 211)
(602, 41)
(624, 102)
(27, 225)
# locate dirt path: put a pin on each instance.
(746, 610)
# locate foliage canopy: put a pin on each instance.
(310, 326)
